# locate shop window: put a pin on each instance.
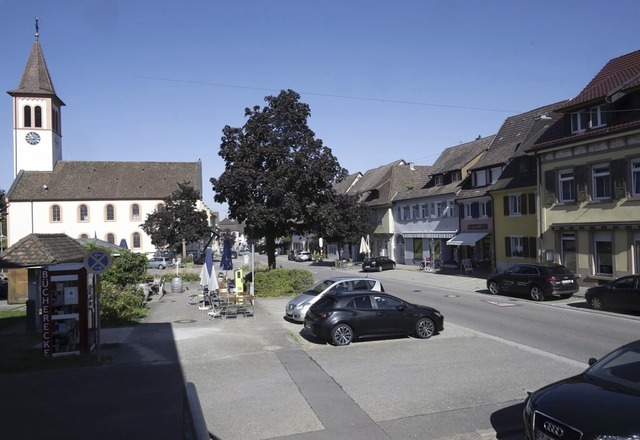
(568, 249)
(603, 253)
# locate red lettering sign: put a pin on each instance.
(46, 312)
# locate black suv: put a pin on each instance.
(536, 280)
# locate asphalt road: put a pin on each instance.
(263, 378)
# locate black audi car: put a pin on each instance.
(537, 280)
(342, 317)
(601, 403)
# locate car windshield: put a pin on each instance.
(621, 367)
(319, 287)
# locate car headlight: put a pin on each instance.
(301, 306)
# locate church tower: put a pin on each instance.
(37, 134)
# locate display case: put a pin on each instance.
(68, 319)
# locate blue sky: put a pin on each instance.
(158, 80)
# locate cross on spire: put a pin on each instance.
(37, 29)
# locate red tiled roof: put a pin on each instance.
(617, 72)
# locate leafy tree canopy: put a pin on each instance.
(179, 221)
(277, 174)
(344, 221)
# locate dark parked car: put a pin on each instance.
(539, 281)
(342, 317)
(623, 293)
(291, 255)
(378, 264)
(601, 403)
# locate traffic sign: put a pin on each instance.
(97, 261)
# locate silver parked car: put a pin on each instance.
(297, 308)
(159, 263)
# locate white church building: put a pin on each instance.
(108, 200)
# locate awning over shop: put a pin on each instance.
(432, 234)
(466, 238)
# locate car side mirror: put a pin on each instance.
(592, 361)
(401, 307)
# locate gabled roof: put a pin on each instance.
(451, 159)
(346, 184)
(35, 78)
(619, 74)
(380, 185)
(80, 180)
(515, 132)
(43, 249)
(456, 157)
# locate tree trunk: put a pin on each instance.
(270, 246)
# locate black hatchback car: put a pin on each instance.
(343, 317)
(378, 264)
(601, 403)
(538, 280)
(623, 293)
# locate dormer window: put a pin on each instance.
(480, 178)
(577, 122)
(456, 176)
(438, 179)
(596, 117)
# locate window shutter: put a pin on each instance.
(463, 209)
(549, 188)
(525, 247)
(475, 210)
(532, 247)
(523, 203)
(581, 174)
(532, 203)
(619, 177)
(505, 200)
(507, 246)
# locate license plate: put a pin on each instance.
(567, 281)
(542, 436)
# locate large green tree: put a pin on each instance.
(179, 221)
(344, 221)
(277, 174)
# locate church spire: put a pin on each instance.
(35, 78)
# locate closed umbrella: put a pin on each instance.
(364, 246)
(208, 264)
(225, 259)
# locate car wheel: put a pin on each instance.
(596, 303)
(425, 328)
(536, 293)
(380, 268)
(494, 288)
(341, 334)
(160, 266)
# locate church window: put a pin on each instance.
(159, 207)
(38, 116)
(27, 115)
(84, 236)
(136, 240)
(110, 213)
(111, 239)
(56, 216)
(83, 213)
(135, 212)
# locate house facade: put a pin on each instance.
(589, 177)
(105, 200)
(426, 216)
(377, 189)
(511, 217)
